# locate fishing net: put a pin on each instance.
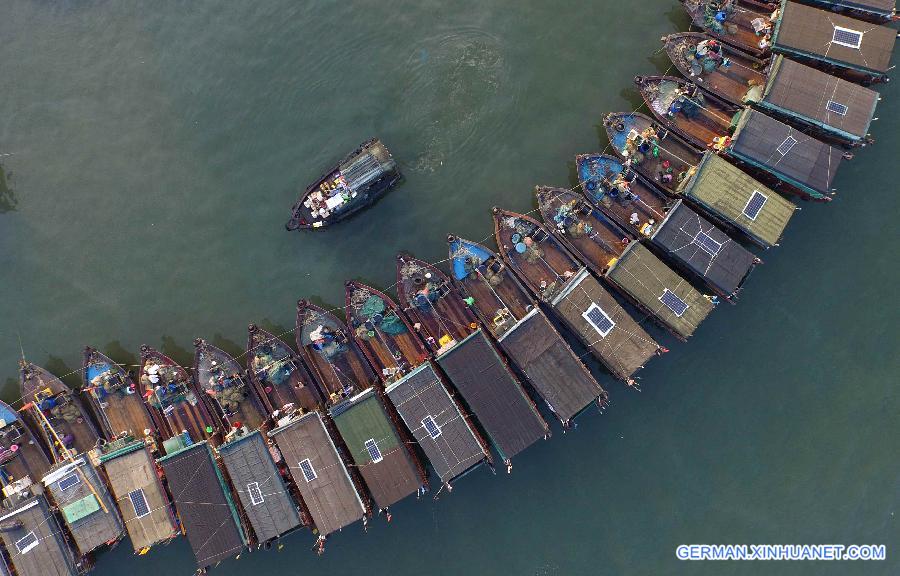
(392, 325)
(372, 306)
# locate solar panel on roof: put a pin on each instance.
(599, 319)
(836, 107)
(754, 205)
(674, 303)
(139, 501)
(26, 543)
(256, 496)
(374, 452)
(308, 472)
(786, 146)
(707, 243)
(431, 426)
(847, 37)
(69, 481)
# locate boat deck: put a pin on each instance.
(427, 298)
(738, 27)
(279, 374)
(699, 118)
(592, 234)
(114, 397)
(174, 397)
(21, 454)
(732, 82)
(382, 331)
(667, 159)
(331, 353)
(541, 261)
(223, 380)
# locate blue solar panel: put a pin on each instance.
(847, 37)
(374, 452)
(755, 205)
(256, 496)
(786, 146)
(69, 481)
(307, 469)
(837, 108)
(706, 242)
(675, 304)
(431, 426)
(139, 501)
(26, 543)
(599, 320)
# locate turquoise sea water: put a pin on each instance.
(151, 150)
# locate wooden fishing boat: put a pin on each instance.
(34, 539)
(279, 374)
(227, 387)
(22, 455)
(113, 395)
(833, 108)
(653, 151)
(739, 76)
(177, 405)
(328, 348)
(61, 414)
(745, 24)
(876, 11)
(846, 47)
(351, 185)
(682, 107)
(382, 331)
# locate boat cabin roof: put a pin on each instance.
(703, 248)
(834, 38)
(495, 396)
(832, 103)
(204, 504)
(377, 449)
(795, 157)
(667, 295)
(263, 495)
(34, 539)
(319, 473)
(436, 422)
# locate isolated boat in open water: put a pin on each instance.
(179, 410)
(56, 412)
(741, 23)
(846, 47)
(114, 397)
(226, 386)
(353, 184)
(279, 374)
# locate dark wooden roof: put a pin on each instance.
(250, 468)
(52, 556)
(809, 31)
(395, 476)
(421, 394)
(90, 530)
(723, 269)
(804, 92)
(206, 510)
(132, 468)
(500, 404)
(809, 164)
(331, 497)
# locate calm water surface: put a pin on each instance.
(150, 152)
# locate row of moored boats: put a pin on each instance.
(460, 369)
